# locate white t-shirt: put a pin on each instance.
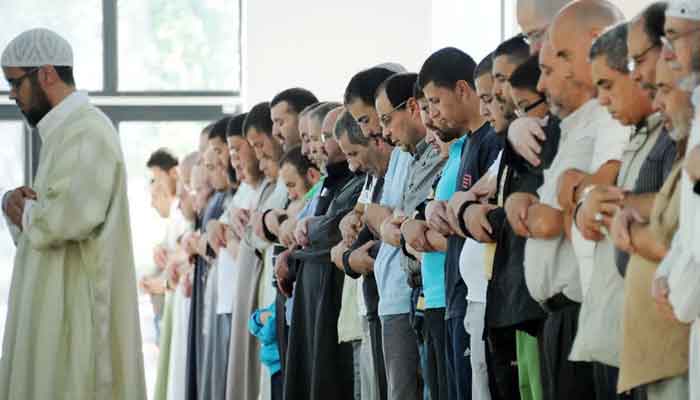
(471, 267)
(471, 259)
(225, 264)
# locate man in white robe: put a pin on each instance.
(72, 328)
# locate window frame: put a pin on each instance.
(129, 106)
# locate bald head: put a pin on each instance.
(587, 16)
(572, 34)
(538, 14)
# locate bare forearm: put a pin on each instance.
(436, 240)
(642, 203)
(375, 215)
(545, 222)
(646, 244)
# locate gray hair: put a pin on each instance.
(309, 108)
(346, 125)
(613, 44)
(319, 113)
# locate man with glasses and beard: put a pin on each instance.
(74, 258)
(682, 35)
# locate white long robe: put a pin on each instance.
(72, 327)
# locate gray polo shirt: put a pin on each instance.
(423, 170)
(602, 306)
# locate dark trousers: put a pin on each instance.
(277, 381)
(502, 362)
(434, 337)
(605, 378)
(459, 369)
(561, 378)
(375, 337)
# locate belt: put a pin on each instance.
(558, 302)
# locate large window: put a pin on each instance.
(11, 175)
(160, 69)
(60, 16)
(141, 47)
(178, 45)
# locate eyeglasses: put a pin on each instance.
(534, 35)
(522, 112)
(668, 42)
(633, 62)
(385, 119)
(15, 83)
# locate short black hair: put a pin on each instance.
(485, 67)
(259, 118)
(218, 131)
(526, 75)
(235, 126)
(654, 18)
(364, 84)
(446, 67)
(299, 161)
(163, 159)
(516, 49)
(346, 125)
(297, 98)
(398, 88)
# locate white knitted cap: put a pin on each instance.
(37, 47)
(686, 9)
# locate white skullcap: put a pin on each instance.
(393, 67)
(37, 47)
(686, 9)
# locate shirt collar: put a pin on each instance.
(696, 97)
(421, 149)
(651, 124)
(54, 118)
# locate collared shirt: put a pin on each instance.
(551, 266)
(652, 175)
(425, 166)
(433, 266)
(611, 139)
(394, 292)
(603, 301)
(480, 150)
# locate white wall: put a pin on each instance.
(320, 44)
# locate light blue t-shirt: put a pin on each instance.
(433, 266)
(394, 292)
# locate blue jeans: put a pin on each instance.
(459, 370)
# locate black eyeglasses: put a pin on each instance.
(385, 119)
(633, 62)
(15, 83)
(522, 112)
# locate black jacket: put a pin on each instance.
(316, 366)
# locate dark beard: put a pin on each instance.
(39, 106)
